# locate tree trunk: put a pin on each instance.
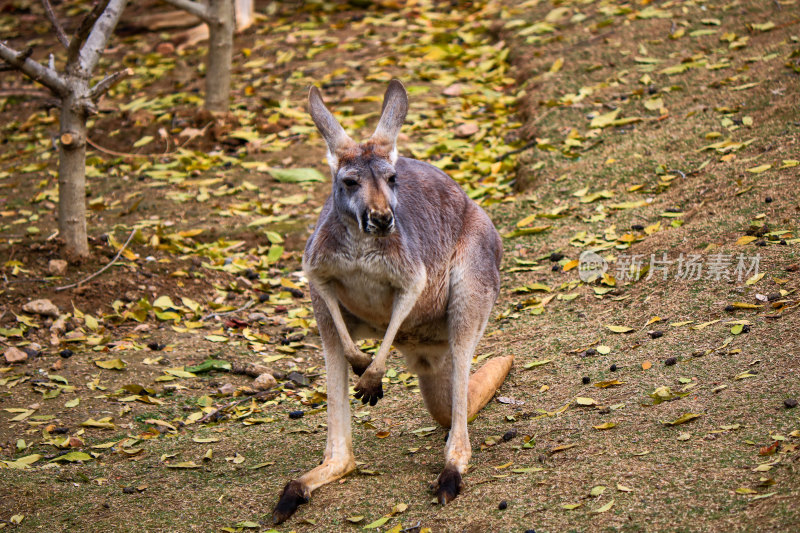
(220, 54)
(72, 172)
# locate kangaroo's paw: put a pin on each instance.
(369, 387)
(358, 360)
(359, 367)
(448, 485)
(292, 497)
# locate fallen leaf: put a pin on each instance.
(603, 509)
(682, 419)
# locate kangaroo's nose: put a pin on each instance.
(383, 221)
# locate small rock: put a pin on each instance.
(671, 361)
(130, 296)
(32, 352)
(453, 90)
(128, 490)
(556, 257)
(58, 365)
(591, 351)
(555, 268)
(294, 415)
(761, 242)
(729, 308)
(264, 382)
(42, 307)
(257, 317)
(66, 353)
(156, 347)
(228, 388)
(613, 368)
(586, 380)
(57, 267)
(15, 355)
(637, 227)
(656, 334)
(771, 297)
(503, 504)
(510, 434)
(467, 129)
(530, 531)
(790, 403)
(794, 267)
(768, 199)
(299, 379)
(165, 48)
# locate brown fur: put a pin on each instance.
(399, 252)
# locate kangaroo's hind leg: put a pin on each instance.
(338, 460)
(474, 286)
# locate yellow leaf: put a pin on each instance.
(607, 425)
(112, 364)
(605, 120)
(603, 509)
(619, 329)
(682, 419)
(759, 169)
(745, 305)
(580, 400)
(755, 279)
(557, 64)
(745, 239)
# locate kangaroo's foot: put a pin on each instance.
(448, 485)
(292, 497)
(298, 491)
(369, 387)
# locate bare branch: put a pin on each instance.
(51, 16)
(84, 280)
(108, 82)
(83, 30)
(195, 8)
(23, 92)
(101, 32)
(35, 71)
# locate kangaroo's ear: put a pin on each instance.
(393, 114)
(328, 126)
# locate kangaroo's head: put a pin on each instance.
(364, 177)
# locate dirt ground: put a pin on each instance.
(657, 396)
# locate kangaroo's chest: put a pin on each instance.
(366, 284)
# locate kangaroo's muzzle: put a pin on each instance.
(380, 223)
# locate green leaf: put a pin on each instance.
(538, 362)
(208, 365)
(377, 523)
(296, 175)
(73, 457)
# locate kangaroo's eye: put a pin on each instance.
(393, 178)
(349, 182)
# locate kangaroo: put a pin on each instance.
(399, 252)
